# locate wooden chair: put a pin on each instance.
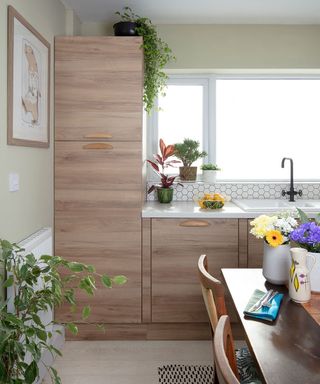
(224, 357)
(212, 292)
(213, 296)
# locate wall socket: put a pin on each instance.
(14, 182)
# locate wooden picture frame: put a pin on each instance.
(28, 84)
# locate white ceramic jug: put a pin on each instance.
(299, 275)
(276, 262)
(315, 273)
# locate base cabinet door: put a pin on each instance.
(255, 250)
(176, 246)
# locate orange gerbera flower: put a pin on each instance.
(274, 238)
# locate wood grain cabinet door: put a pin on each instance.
(176, 247)
(98, 88)
(97, 221)
(255, 250)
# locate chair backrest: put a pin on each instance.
(224, 357)
(212, 292)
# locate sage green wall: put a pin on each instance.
(96, 29)
(236, 46)
(73, 23)
(243, 46)
(31, 208)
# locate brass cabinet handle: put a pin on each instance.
(194, 223)
(97, 146)
(98, 135)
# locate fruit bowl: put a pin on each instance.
(211, 201)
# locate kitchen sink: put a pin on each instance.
(271, 205)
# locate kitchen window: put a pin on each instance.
(182, 112)
(247, 124)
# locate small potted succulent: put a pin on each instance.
(156, 52)
(188, 153)
(209, 172)
(164, 189)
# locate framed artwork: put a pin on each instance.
(28, 84)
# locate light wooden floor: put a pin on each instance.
(126, 362)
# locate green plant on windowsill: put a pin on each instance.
(209, 172)
(210, 167)
(39, 284)
(163, 161)
(188, 152)
(156, 55)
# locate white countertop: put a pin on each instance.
(190, 209)
(187, 209)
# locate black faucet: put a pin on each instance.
(291, 191)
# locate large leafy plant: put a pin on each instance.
(38, 284)
(162, 162)
(188, 152)
(156, 55)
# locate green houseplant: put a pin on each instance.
(188, 152)
(38, 284)
(164, 189)
(209, 172)
(156, 54)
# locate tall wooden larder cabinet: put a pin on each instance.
(98, 162)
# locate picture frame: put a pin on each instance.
(28, 84)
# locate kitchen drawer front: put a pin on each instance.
(98, 88)
(176, 247)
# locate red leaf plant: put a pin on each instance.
(161, 164)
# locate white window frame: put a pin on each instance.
(208, 81)
(152, 119)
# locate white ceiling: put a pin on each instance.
(203, 11)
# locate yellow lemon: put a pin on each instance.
(218, 197)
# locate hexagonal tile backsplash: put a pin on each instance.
(240, 190)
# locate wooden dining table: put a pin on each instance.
(287, 350)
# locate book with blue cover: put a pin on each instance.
(268, 313)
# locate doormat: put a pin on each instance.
(186, 374)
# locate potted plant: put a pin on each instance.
(164, 189)
(188, 153)
(156, 52)
(275, 231)
(127, 26)
(38, 285)
(209, 172)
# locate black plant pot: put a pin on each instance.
(125, 28)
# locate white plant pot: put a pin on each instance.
(276, 263)
(209, 176)
(315, 272)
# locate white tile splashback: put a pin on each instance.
(240, 190)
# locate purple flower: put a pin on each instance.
(307, 235)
